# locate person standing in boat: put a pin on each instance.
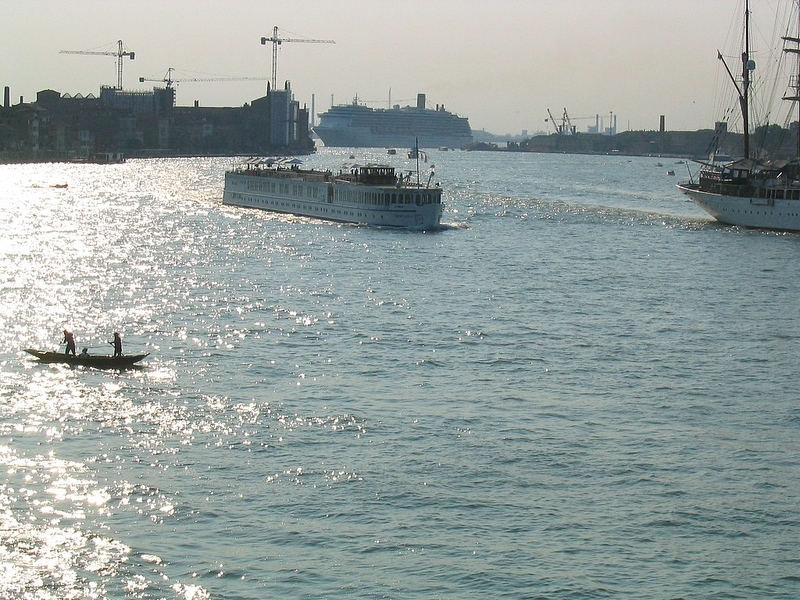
(69, 340)
(117, 343)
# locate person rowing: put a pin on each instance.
(69, 340)
(117, 343)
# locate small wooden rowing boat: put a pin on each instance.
(99, 362)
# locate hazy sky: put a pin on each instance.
(502, 63)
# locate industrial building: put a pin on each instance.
(146, 124)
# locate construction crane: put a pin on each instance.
(566, 127)
(277, 41)
(169, 80)
(120, 53)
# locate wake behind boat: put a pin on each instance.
(752, 192)
(98, 362)
(368, 194)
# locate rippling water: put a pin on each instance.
(580, 387)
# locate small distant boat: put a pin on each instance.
(720, 156)
(415, 153)
(101, 158)
(107, 158)
(98, 362)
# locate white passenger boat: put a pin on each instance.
(367, 194)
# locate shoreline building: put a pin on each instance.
(147, 123)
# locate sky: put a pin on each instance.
(501, 63)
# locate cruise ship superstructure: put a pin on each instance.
(359, 126)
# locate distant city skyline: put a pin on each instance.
(501, 63)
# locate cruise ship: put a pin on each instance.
(356, 125)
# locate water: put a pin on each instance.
(580, 387)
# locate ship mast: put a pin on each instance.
(794, 84)
(744, 94)
(743, 90)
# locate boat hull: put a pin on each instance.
(323, 200)
(368, 137)
(98, 362)
(745, 211)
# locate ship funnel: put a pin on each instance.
(420, 100)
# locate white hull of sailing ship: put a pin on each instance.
(781, 211)
(370, 195)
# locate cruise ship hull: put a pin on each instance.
(364, 137)
(782, 214)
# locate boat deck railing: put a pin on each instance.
(285, 173)
(378, 177)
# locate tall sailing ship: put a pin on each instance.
(754, 192)
(358, 126)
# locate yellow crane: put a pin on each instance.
(119, 53)
(277, 41)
